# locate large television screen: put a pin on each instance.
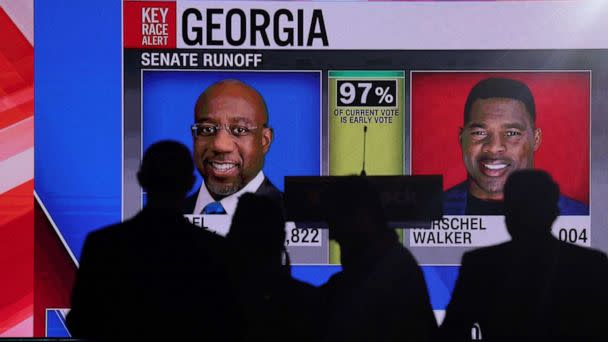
(332, 74)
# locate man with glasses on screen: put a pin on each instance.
(231, 137)
(499, 137)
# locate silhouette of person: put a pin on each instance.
(380, 294)
(154, 275)
(275, 306)
(533, 287)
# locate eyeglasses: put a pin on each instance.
(210, 130)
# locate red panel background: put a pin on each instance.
(16, 73)
(132, 22)
(17, 202)
(562, 112)
(16, 255)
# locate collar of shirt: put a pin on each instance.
(229, 202)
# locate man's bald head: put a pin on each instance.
(228, 88)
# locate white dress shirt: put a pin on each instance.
(229, 202)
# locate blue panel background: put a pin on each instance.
(55, 324)
(293, 100)
(440, 281)
(314, 274)
(77, 106)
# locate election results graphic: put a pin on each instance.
(374, 88)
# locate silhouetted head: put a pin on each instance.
(231, 136)
(531, 204)
(354, 213)
(498, 136)
(166, 172)
(258, 229)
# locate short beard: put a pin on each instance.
(494, 187)
(223, 190)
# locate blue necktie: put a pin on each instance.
(213, 208)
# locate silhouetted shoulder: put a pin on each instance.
(302, 286)
(102, 240)
(486, 255)
(107, 232)
(405, 260)
(576, 254)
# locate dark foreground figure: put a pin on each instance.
(380, 295)
(534, 287)
(275, 306)
(155, 275)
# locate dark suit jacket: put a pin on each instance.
(455, 202)
(277, 307)
(266, 189)
(548, 292)
(153, 275)
(383, 298)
